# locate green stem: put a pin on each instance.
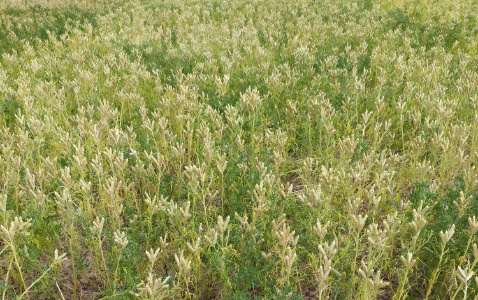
(116, 269)
(103, 261)
(402, 284)
(467, 247)
(310, 135)
(73, 261)
(354, 264)
(7, 277)
(403, 137)
(204, 208)
(222, 193)
(435, 273)
(15, 256)
(37, 280)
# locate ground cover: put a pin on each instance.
(238, 149)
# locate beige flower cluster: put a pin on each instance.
(238, 149)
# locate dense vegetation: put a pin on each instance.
(238, 149)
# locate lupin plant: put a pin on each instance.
(238, 150)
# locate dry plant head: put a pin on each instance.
(198, 150)
(445, 237)
(408, 262)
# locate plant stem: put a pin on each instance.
(37, 280)
(116, 269)
(222, 192)
(7, 277)
(402, 285)
(354, 263)
(73, 261)
(15, 255)
(435, 273)
(103, 259)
